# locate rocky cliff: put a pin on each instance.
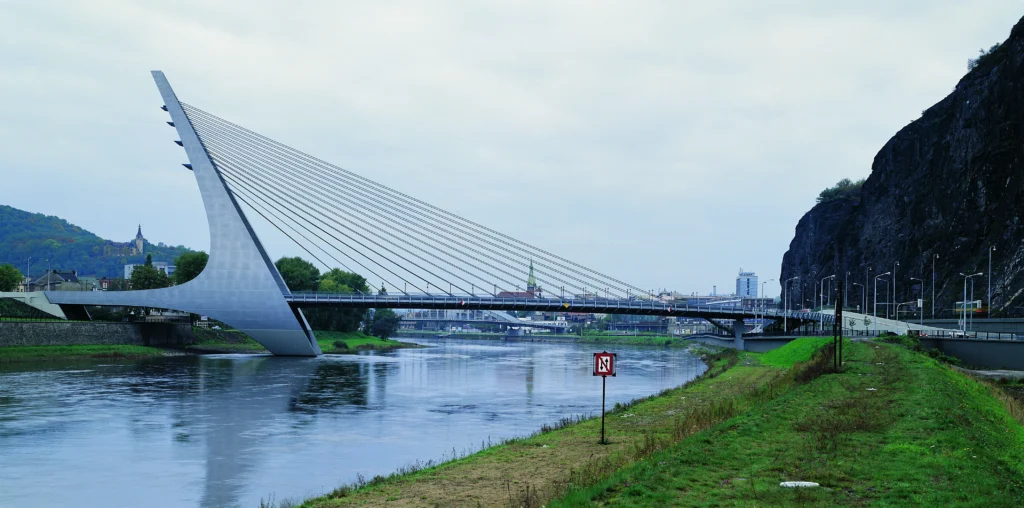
(945, 188)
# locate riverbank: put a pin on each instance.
(207, 341)
(895, 427)
(353, 342)
(13, 354)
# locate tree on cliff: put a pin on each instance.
(148, 277)
(189, 265)
(844, 188)
(10, 277)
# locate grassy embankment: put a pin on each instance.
(895, 427)
(351, 342)
(55, 353)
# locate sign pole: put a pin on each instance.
(604, 366)
(604, 382)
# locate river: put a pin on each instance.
(230, 430)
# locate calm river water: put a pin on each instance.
(232, 430)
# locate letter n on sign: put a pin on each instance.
(604, 364)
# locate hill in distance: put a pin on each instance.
(67, 246)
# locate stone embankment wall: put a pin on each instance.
(88, 333)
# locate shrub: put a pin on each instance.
(340, 344)
(982, 55)
(843, 189)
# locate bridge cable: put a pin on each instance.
(595, 284)
(434, 210)
(235, 190)
(218, 151)
(245, 187)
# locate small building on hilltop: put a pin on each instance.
(135, 247)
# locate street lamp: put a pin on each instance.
(936, 256)
(822, 293)
(920, 307)
(863, 295)
(866, 286)
(898, 316)
(989, 302)
(965, 298)
(763, 306)
(875, 311)
(785, 315)
(893, 288)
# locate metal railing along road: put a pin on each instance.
(594, 305)
(930, 334)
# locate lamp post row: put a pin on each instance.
(819, 287)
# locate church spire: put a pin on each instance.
(139, 234)
(531, 281)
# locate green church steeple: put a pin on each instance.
(531, 281)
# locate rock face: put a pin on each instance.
(949, 185)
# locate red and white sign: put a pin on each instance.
(604, 364)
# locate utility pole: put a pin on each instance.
(28, 274)
(846, 288)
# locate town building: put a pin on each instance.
(746, 284)
(58, 280)
(162, 266)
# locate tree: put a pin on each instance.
(147, 277)
(337, 280)
(189, 265)
(298, 274)
(10, 277)
(336, 319)
(385, 323)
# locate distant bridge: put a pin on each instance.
(341, 219)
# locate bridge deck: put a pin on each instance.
(597, 305)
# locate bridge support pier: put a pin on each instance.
(738, 327)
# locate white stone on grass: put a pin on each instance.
(792, 485)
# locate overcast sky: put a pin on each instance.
(665, 143)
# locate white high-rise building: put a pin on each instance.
(746, 284)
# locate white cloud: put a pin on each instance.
(668, 143)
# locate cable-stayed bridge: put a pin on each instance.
(422, 256)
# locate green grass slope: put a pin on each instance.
(894, 429)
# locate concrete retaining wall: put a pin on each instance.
(74, 333)
(997, 325)
(990, 354)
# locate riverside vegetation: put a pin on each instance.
(894, 427)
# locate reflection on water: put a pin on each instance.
(230, 430)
